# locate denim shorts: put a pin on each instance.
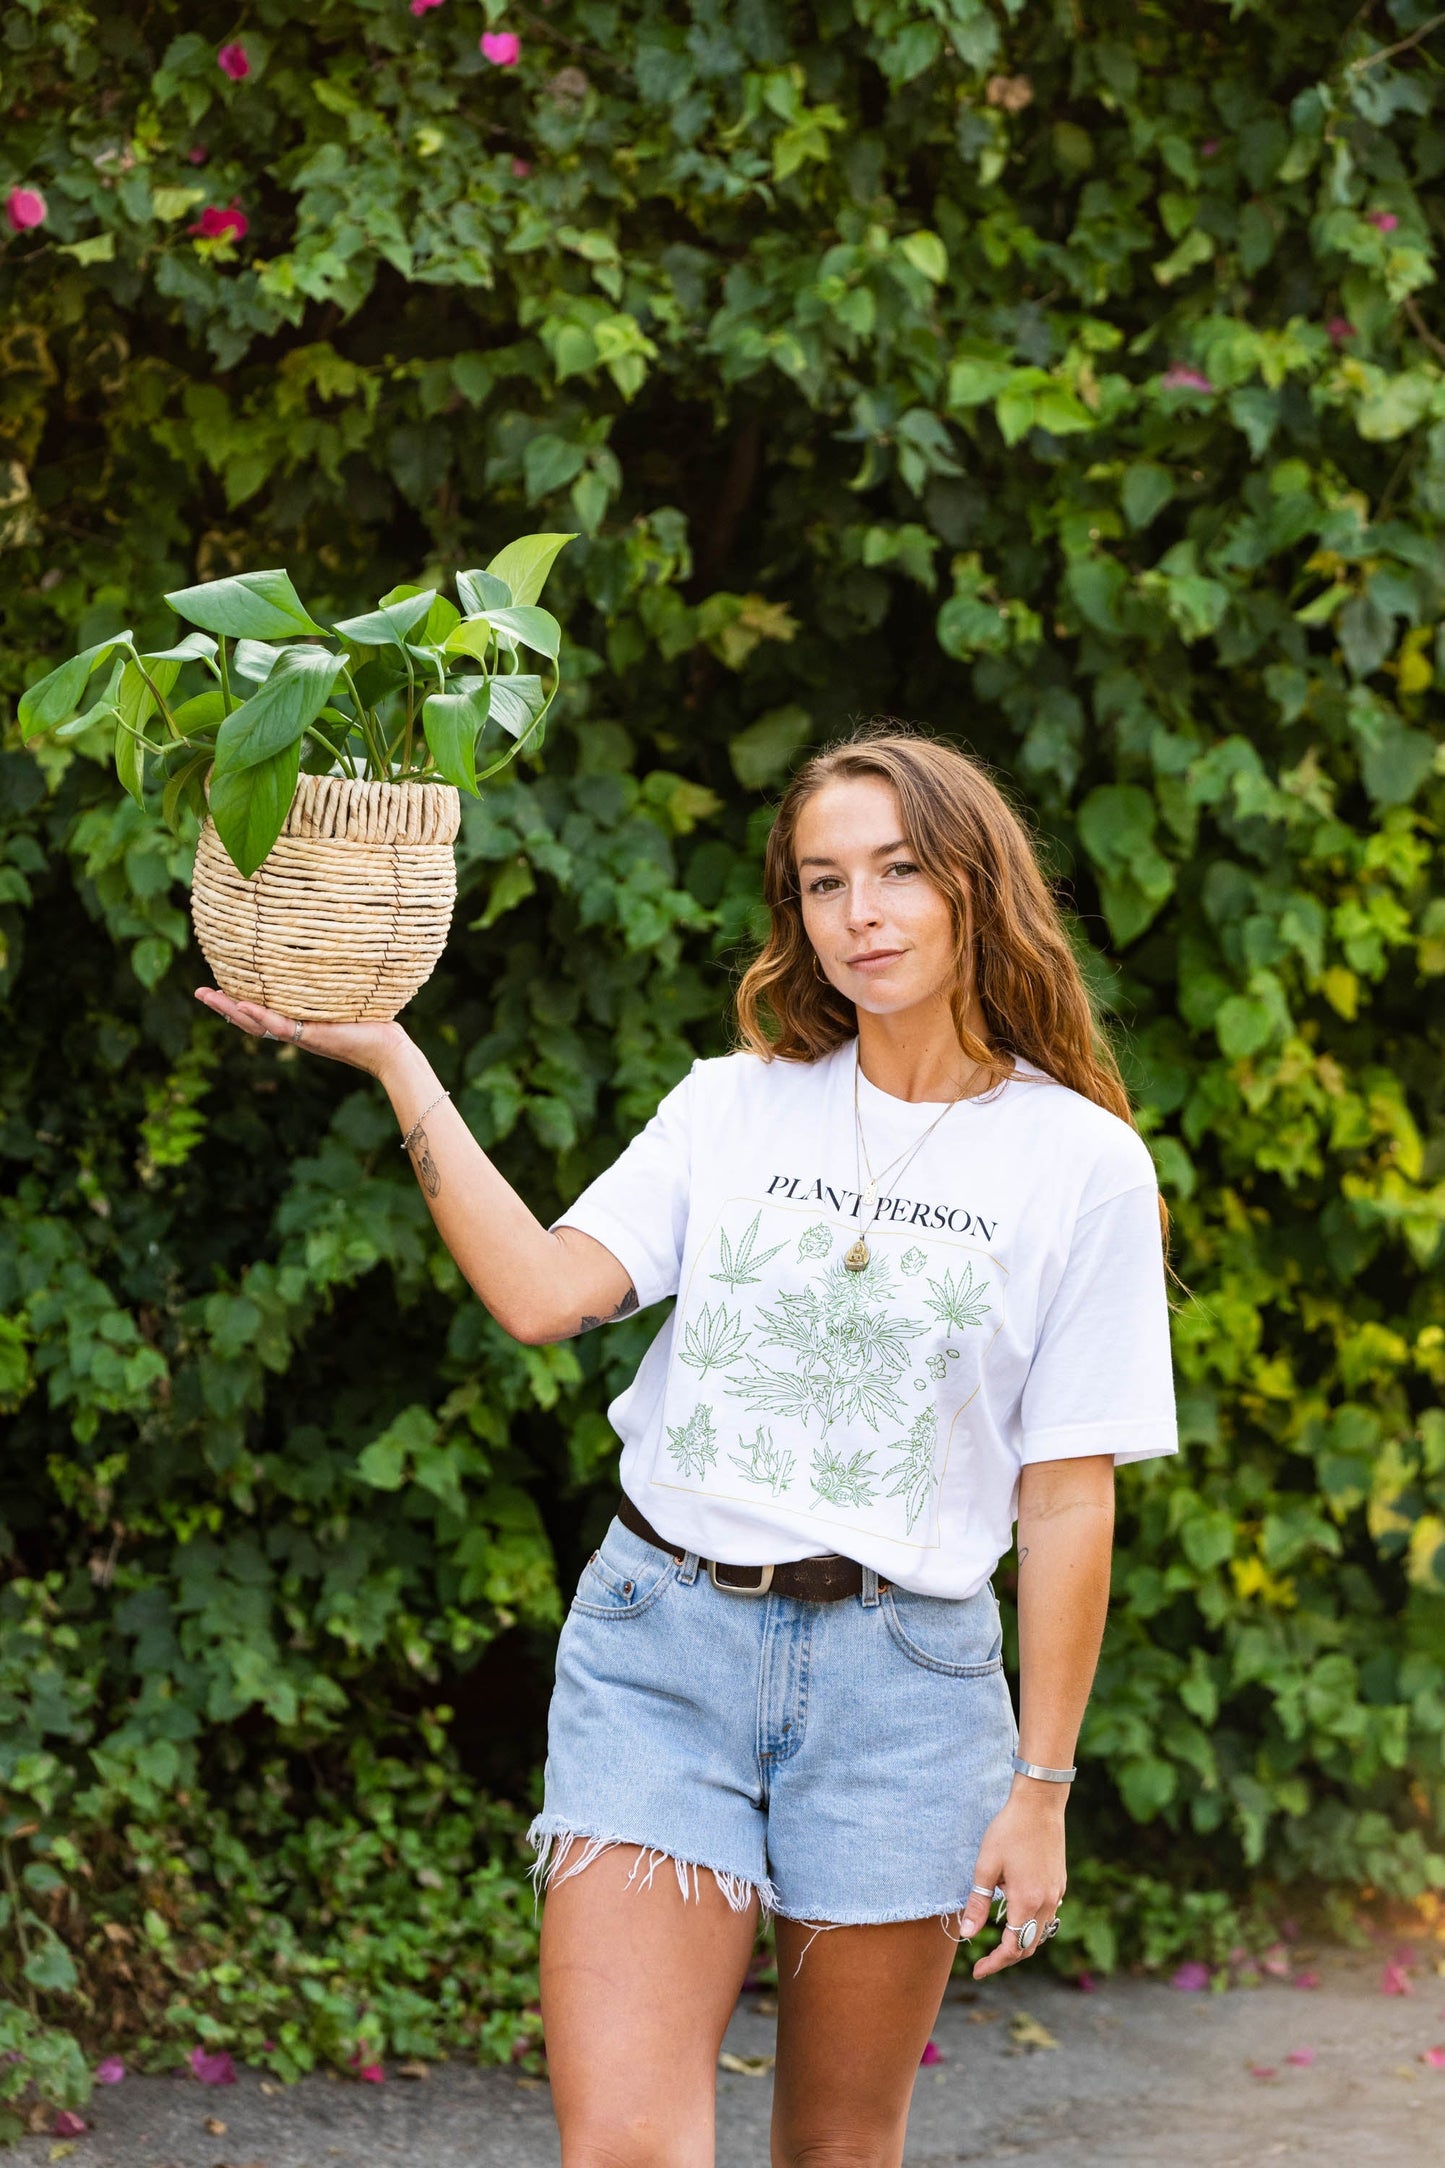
(838, 1761)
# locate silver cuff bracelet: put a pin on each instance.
(1049, 1776)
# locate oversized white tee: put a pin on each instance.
(1012, 1310)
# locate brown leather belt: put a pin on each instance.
(825, 1579)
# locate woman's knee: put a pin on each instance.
(838, 2149)
(635, 2141)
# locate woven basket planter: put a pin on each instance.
(349, 913)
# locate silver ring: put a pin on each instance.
(979, 1889)
(1028, 1933)
(1051, 1930)
(296, 1034)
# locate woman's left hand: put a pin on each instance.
(1023, 1854)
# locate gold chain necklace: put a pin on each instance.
(856, 1259)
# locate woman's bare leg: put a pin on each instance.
(855, 2008)
(638, 1986)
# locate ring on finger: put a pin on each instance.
(1051, 1930)
(1027, 1932)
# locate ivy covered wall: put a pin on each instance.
(1069, 379)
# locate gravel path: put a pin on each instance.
(1142, 2076)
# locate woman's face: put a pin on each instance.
(883, 932)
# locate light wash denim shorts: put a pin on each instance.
(838, 1761)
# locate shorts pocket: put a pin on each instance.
(625, 1583)
(960, 1636)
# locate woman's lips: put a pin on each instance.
(879, 962)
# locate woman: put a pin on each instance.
(917, 1252)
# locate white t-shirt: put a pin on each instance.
(1013, 1310)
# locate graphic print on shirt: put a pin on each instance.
(799, 1383)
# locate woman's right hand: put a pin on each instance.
(370, 1046)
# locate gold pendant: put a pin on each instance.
(856, 1259)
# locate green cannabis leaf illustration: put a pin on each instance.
(914, 1469)
(765, 1463)
(848, 1353)
(842, 1482)
(715, 1338)
(959, 1302)
(737, 1268)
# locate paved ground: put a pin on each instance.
(1142, 2076)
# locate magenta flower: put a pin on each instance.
(197, 154)
(1305, 1979)
(521, 167)
(213, 224)
(930, 2055)
(1385, 220)
(1395, 1980)
(234, 60)
(217, 2069)
(68, 2124)
(1340, 328)
(420, 7)
(110, 2072)
(1190, 1978)
(1435, 2057)
(1180, 378)
(1301, 2057)
(1207, 150)
(24, 207)
(502, 47)
(1087, 1984)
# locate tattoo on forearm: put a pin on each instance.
(624, 1309)
(1023, 1553)
(428, 1172)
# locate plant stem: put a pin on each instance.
(225, 673)
(375, 754)
(158, 697)
(17, 1915)
(410, 711)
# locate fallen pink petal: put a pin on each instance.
(1301, 2057)
(372, 2074)
(110, 2072)
(1263, 2070)
(1190, 1978)
(1306, 1979)
(1435, 2057)
(1087, 1984)
(502, 47)
(931, 2054)
(68, 2124)
(1395, 1980)
(1276, 1962)
(235, 61)
(213, 2069)
(24, 208)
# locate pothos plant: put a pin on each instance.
(404, 693)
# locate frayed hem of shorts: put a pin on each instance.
(554, 1845)
(946, 1917)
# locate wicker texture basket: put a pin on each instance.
(348, 914)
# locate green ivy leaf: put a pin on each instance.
(248, 606)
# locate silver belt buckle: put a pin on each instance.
(740, 1588)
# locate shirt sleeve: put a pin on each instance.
(638, 1206)
(1101, 1380)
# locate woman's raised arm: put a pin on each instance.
(538, 1286)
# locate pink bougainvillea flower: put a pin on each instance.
(1263, 2070)
(68, 2124)
(1301, 2057)
(1180, 378)
(1207, 150)
(215, 224)
(1275, 1962)
(217, 2069)
(1340, 328)
(1087, 1984)
(1386, 221)
(234, 60)
(1191, 1977)
(420, 7)
(1395, 1980)
(24, 207)
(110, 2072)
(1306, 1979)
(930, 2055)
(372, 2074)
(502, 47)
(1435, 2057)
(198, 154)
(521, 167)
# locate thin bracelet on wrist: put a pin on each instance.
(406, 1140)
(1048, 1776)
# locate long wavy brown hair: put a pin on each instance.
(1011, 947)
